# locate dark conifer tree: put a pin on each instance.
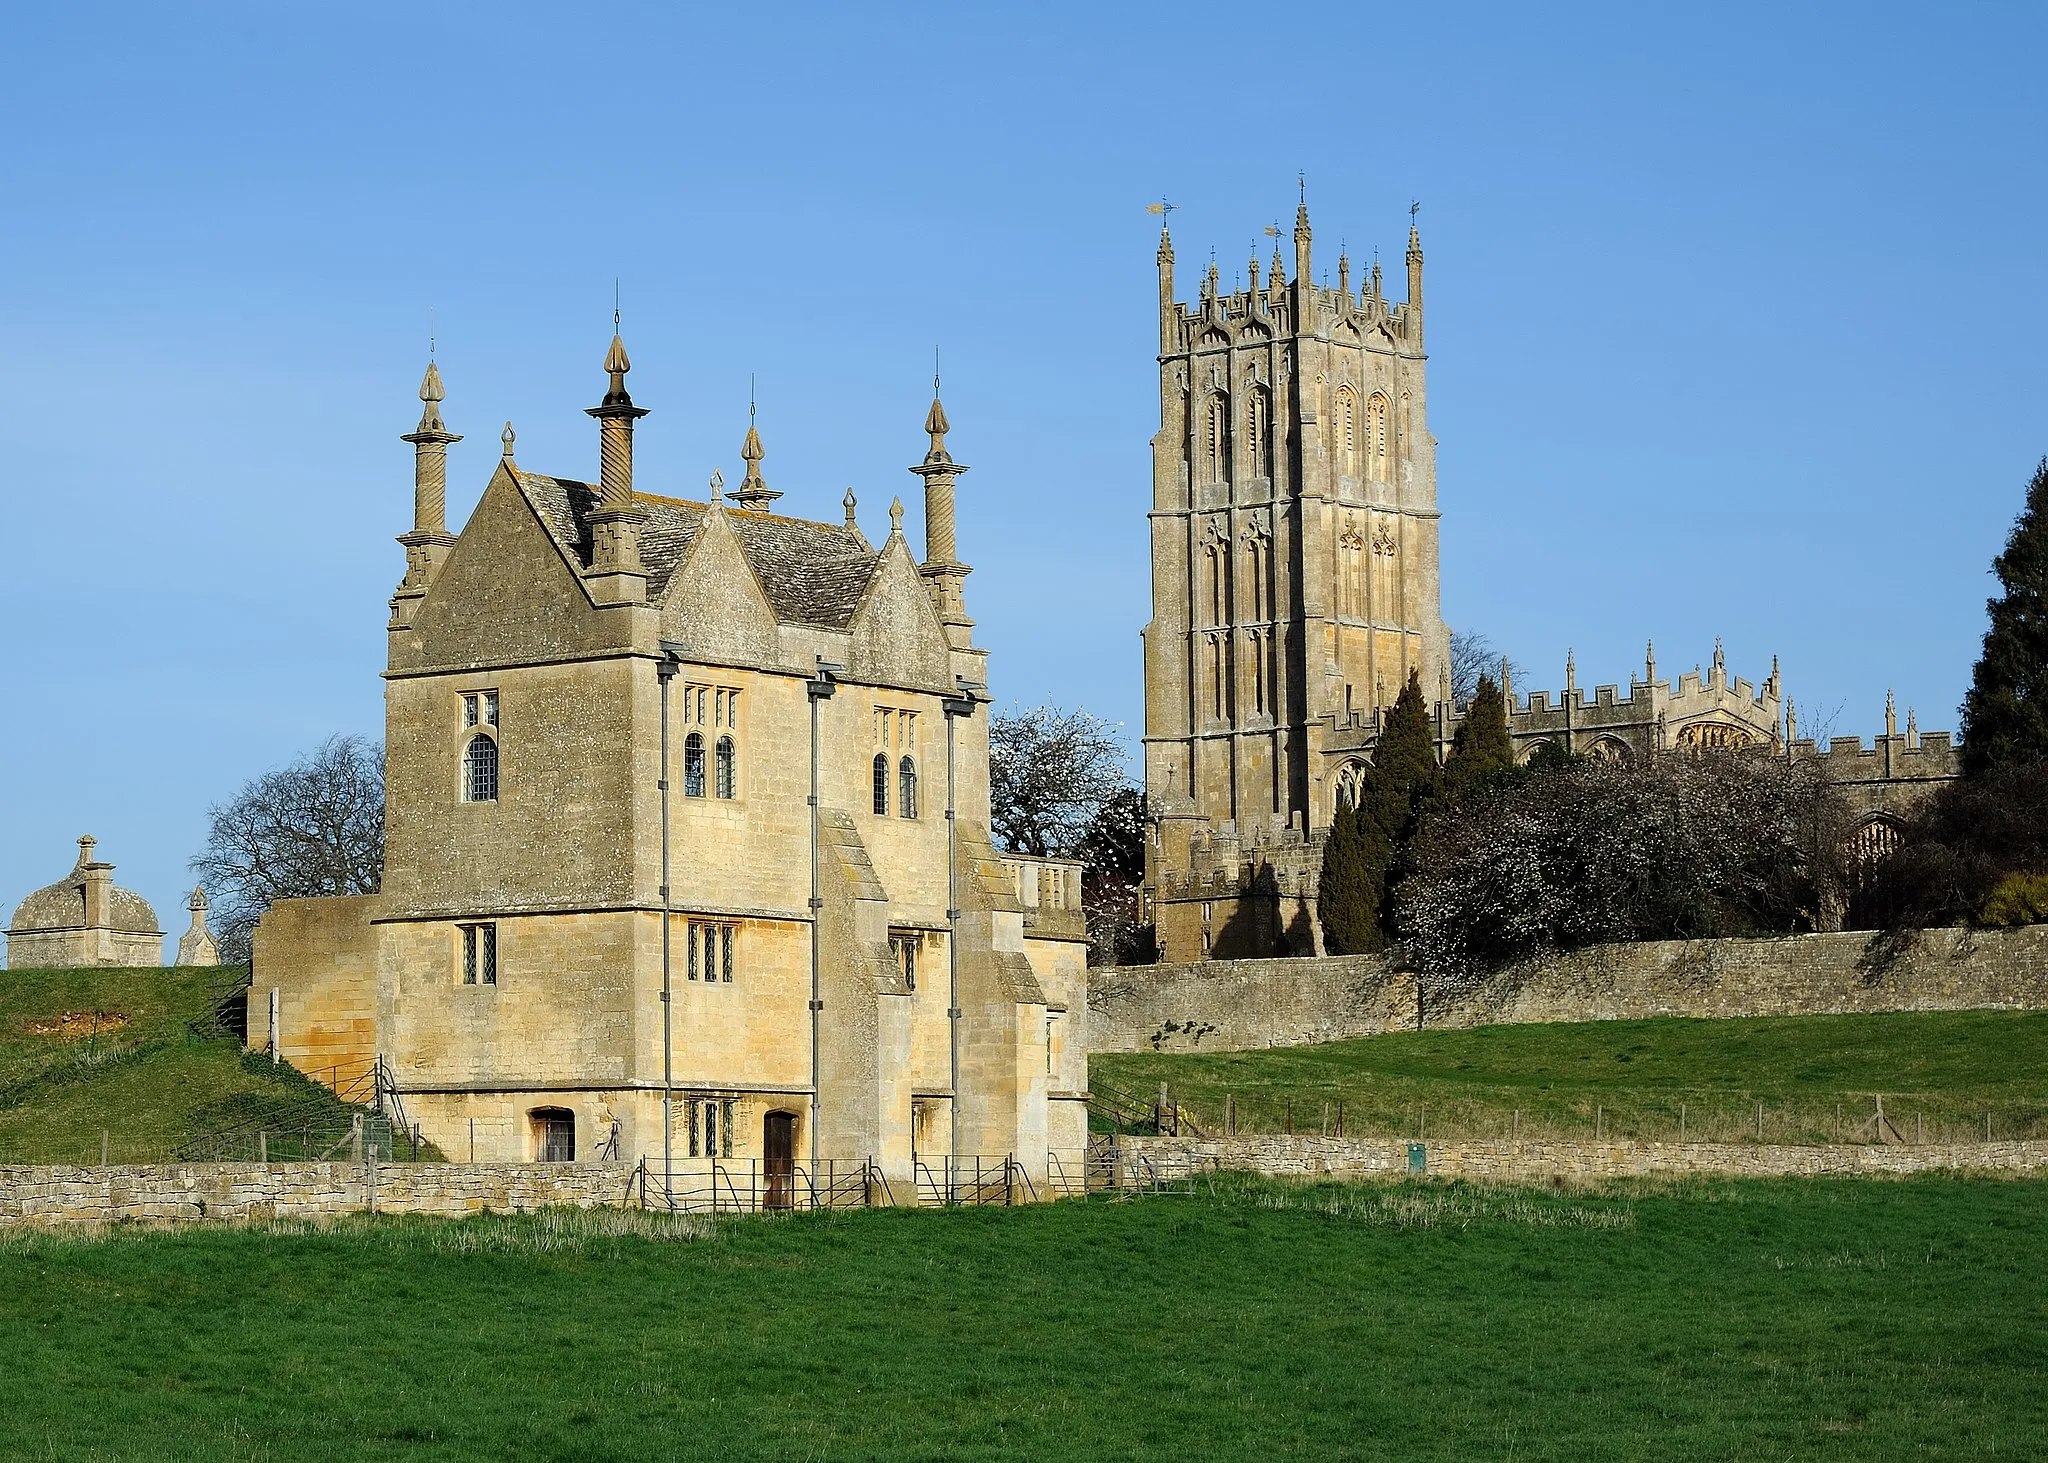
(1403, 777)
(1403, 774)
(1482, 750)
(1345, 901)
(2005, 714)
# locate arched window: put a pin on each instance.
(693, 765)
(1347, 432)
(906, 788)
(881, 785)
(1869, 846)
(1255, 431)
(480, 770)
(1376, 438)
(1218, 443)
(728, 757)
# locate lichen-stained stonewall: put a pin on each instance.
(832, 993)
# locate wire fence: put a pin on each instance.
(1714, 1117)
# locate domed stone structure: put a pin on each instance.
(84, 919)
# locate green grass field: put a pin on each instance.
(1944, 1070)
(151, 1077)
(1832, 1320)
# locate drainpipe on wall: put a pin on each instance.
(955, 707)
(820, 689)
(665, 672)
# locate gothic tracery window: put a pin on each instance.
(1869, 846)
(1218, 437)
(1376, 438)
(1712, 736)
(1257, 418)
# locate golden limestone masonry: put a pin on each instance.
(687, 812)
(1295, 589)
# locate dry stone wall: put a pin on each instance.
(1244, 1005)
(51, 1197)
(1541, 1160)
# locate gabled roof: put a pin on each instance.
(814, 573)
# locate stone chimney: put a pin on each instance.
(427, 546)
(615, 575)
(942, 568)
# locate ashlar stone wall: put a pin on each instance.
(1244, 1005)
(52, 1197)
(1305, 1157)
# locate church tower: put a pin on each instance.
(1294, 581)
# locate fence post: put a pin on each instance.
(262, 1146)
(1599, 1122)
(355, 1139)
(103, 1147)
(1340, 1117)
(1759, 1122)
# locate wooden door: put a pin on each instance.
(778, 1159)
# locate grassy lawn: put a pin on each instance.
(1945, 1069)
(1837, 1319)
(86, 1051)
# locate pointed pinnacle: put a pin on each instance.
(430, 384)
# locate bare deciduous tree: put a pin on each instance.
(1058, 788)
(1473, 656)
(1050, 774)
(310, 829)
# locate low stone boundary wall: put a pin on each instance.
(1540, 1160)
(1245, 1005)
(50, 1197)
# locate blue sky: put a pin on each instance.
(1735, 324)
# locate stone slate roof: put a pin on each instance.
(61, 906)
(814, 573)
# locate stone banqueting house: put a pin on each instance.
(670, 812)
(86, 919)
(1295, 587)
